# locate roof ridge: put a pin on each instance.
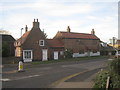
(75, 32)
(23, 37)
(78, 35)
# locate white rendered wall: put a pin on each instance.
(86, 54)
(79, 55)
(94, 54)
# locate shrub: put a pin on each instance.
(101, 79)
(113, 72)
(68, 53)
(114, 66)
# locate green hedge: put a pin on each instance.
(114, 66)
(101, 79)
(112, 71)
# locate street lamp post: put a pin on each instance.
(20, 66)
(21, 44)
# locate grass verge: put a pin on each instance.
(68, 59)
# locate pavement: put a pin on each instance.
(76, 80)
(76, 74)
(75, 85)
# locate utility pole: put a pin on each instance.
(21, 44)
(20, 67)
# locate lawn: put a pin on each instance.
(69, 59)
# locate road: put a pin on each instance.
(46, 75)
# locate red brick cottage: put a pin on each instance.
(81, 44)
(33, 45)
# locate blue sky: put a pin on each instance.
(55, 15)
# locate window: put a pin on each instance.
(41, 42)
(61, 53)
(27, 54)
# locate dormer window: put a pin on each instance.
(41, 42)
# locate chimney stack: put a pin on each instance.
(93, 32)
(35, 24)
(68, 29)
(26, 28)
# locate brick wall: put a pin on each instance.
(32, 43)
(79, 44)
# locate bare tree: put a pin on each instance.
(4, 32)
(44, 34)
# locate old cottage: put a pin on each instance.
(33, 45)
(81, 44)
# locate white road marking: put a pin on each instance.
(6, 79)
(110, 59)
(27, 77)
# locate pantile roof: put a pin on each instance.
(54, 43)
(78, 35)
(23, 38)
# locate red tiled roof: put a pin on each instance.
(23, 38)
(54, 43)
(78, 35)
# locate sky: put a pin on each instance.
(55, 15)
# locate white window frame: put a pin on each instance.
(24, 54)
(40, 42)
(61, 52)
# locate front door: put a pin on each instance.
(44, 55)
(56, 55)
(88, 53)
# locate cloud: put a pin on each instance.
(15, 22)
(57, 15)
(42, 10)
(52, 9)
(104, 27)
(68, 10)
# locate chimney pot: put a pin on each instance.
(26, 28)
(93, 32)
(35, 24)
(68, 29)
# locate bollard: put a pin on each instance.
(20, 67)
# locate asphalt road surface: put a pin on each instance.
(43, 76)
